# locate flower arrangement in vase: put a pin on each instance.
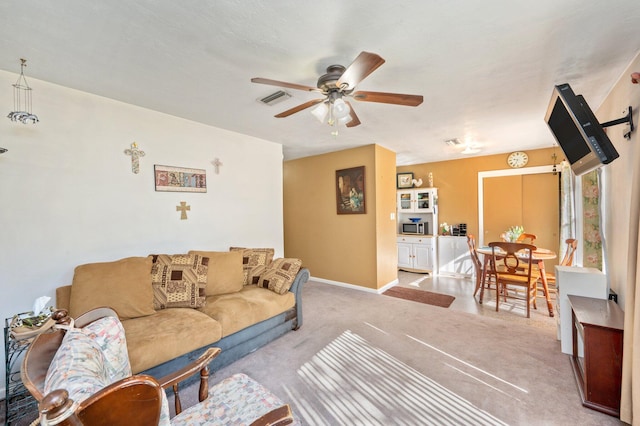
(513, 233)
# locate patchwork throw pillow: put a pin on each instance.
(280, 274)
(179, 281)
(225, 271)
(252, 259)
(123, 285)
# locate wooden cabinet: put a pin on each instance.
(417, 200)
(597, 352)
(416, 253)
(454, 257)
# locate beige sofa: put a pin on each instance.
(173, 307)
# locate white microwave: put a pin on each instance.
(415, 228)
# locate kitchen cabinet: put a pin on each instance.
(416, 253)
(417, 200)
(454, 257)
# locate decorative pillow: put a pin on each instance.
(252, 258)
(179, 281)
(108, 334)
(280, 274)
(78, 366)
(225, 271)
(123, 285)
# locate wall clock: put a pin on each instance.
(517, 159)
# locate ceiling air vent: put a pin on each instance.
(275, 98)
(452, 142)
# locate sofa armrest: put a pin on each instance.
(199, 365)
(296, 288)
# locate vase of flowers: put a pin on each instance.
(513, 233)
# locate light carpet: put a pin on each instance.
(410, 358)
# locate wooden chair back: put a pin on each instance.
(567, 259)
(512, 266)
(527, 238)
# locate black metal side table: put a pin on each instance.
(20, 406)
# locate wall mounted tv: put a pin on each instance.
(581, 137)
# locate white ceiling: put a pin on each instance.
(486, 69)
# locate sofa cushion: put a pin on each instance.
(124, 285)
(152, 340)
(78, 366)
(179, 280)
(225, 271)
(253, 258)
(280, 274)
(249, 306)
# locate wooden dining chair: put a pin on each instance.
(512, 266)
(567, 260)
(526, 238)
(477, 264)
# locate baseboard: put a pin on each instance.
(357, 287)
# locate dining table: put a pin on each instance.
(538, 256)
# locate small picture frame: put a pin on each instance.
(179, 179)
(403, 180)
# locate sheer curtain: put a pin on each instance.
(567, 206)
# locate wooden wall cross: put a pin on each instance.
(183, 208)
(135, 154)
(216, 165)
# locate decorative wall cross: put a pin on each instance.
(135, 154)
(216, 165)
(183, 208)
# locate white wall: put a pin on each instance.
(68, 195)
(620, 176)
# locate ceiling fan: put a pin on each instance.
(338, 83)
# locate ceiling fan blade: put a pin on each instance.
(360, 68)
(285, 84)
(355, 121)
(299, 108)
(388, 98)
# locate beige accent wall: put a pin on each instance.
(457, 183)
(356, 249)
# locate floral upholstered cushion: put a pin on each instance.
(179, 281)
(237, 400)
(78, 366)
(280, 274)
(108, 334)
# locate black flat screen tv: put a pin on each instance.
(581, 137)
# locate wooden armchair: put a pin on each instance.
(512, 266)
(74, 357)
(567, 260)
(477, 264)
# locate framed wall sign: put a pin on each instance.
(350, 191)
(180, 179)
(403, 180)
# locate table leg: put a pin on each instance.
(484, 274)
(545, 286)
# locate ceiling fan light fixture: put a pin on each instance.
(320, 112)
(340, 109)
(345, 120)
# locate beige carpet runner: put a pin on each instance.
(422, 296)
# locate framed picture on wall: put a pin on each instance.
(403, 180)
(180, 179)
(350, 198)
